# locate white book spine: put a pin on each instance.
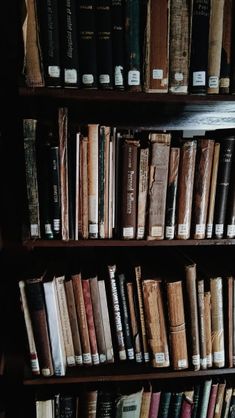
(106, 322)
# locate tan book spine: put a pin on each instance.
(158, 175)
(82, 321)
(191, 292)
(185, 188)
(229, 319)
(145, 404)
(155, 322)
(63, 153)
(84, 188)
(217, 322)
(215, 45)
(99, 326)
(142, 191)
(205, 151)
(90, 321)
(141, 313)
(33, 67)
(207, 307)
(227, 401)
(172, 187)
(202, 327)
(93, 199)
(177, 327)
(106, 321)
(135, 325)
(73, 321)
(219, 400)
(211, 205)
(157, 47)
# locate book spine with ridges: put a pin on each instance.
(97, 313)
(117, 314)
(202, 327)
(104, 43)
(93, 199)
(155, 322)
(165, 404)
(142, 191)
(29, 330)
(172, 187)
(211, 203)
(138, 281)
(91, 403)
(175, 405)
(199, 46)
(56, 195)
(129, 188)
(223, 182)
(225, 67)
(118, 43)
(145, 404)
(135, 324)
(177, 328)
(191, 292)
(156, 63)
(63, 153)
(90, 321)
(217, 322)
(205, 151)
(158, 175)
(185, 188)
(132, 45)
(207, 310)
(125, 315)
(106, 321)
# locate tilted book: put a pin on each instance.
(129, 405)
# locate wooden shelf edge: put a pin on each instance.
(128, 377)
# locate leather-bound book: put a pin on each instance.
(192, 305)
(156, 60)
(91, 399)
(223, 182)
(146, 401)
(219, 400)
(199, 46)
(118, 34)
(226, 52)
(212, 400)
(217, 322)
(129, 153)
(202, 325)
(90, 321)
(187, 405)
(155, 322)
(138, 280)
(105, 404)
(196, 397)
(97, 313)
(230, 211)
(125, 314)
(135, 322)
(172, 188)
(177, 328)
(176, 403)
(203, 168)
(154, 405)
(165, 404)
(143, 172)
(87, 43)
(185, 188)
(158, 175)
(69, 43)
(133, 45)
(227, 402)
(104, 44)
(211, 203)
(37, 309)
(207, 313)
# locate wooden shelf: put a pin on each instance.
(31, 244)
(117, 376)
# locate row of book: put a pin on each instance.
(212, 399)
(85, 321)
(96, 181)
(132, 45)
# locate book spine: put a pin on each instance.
(227, 402)
(104, 43)
(93, 198)
(145, 404)
(90, 321)
(230, 210)
(175, 405)
(131, 402)
(206, 389)
(185, 189)
(207, 310)
(84, 188)
(187, 407)
(219, 400)
(202, 326)
(158, 174)
(205, 150)
(125, 315)
(212, 400)
(91, 403)
(223, 181)
(129, 189)
(106, 322)
(56, 196)
(155, 403)
(165, 404)
(118, 33)
(142, 192)
(134, 319)
(117, 313)
(172, 187)
(217, 324)
(63, 155)
(141, 313)
(225, 68)
(29, 329)
(211, 204)
(191, 292)
(132, 45)
(177, 325)
(97, 313)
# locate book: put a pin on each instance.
(135, 322)
(92, 158)
(106, 321)
(207, 313)
(142, 186)
(132, 45)
(211, 203)
(229, 319)
(103, 20)
(155, 403)
(91, 403)
(164, 404)
(97, 313)
(146, 401)
(171, 196)
(63, 164)
(125, 315)
(176, 403)
(118, 34)
(212, 400)
(219, 400)
(204, 398)
(217, 322)
(129, 406)
(226, 51)
(138, 281)
(201, 321)
(90, 321)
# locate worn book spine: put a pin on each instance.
(202, 325)
(103, 180)
(223, 182)
(219, 400)
(204, 398)
(155, 322)
(104, 44)
(106, 321)
(165, 404)
(172, 187)
(106, 404)
(176, 403)
(215, 45)
(199, 46)
(185, 188)
(229, 319)
(158, 175)
(217, 322)
(180, 12)
(125, 315)
(145, 404)
(138, 281)
(143, 170)
(87, 43)
(33, 63)
(84, 188)
(37, 309)
(63, 155)
(69, 43)
(211, 203)
(226, 51)
(93, 199)
(91, 403)
(97, 313)
(135, 324)
(90, 321)
(82, 320)
(118, 33)
(133, 45)
(29, 132)
(227, 402)
(187, 405)
(230, 211)
(156, 61)
(65, 322)
(117, 313)
(196, 397)
(207, 310)
(191, 292)
(29, 330)
(155, 403)
(203, 167)
(129, 404)
(129, 188)
(56, 191)
(73, 321)
(212, 400)
(177, 329)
